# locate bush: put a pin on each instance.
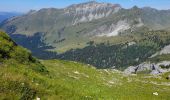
(20, 54)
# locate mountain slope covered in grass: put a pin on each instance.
(24, 77)
(17, 70)
(141, 45)
(79, 81)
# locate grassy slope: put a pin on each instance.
(22, 77)
(74, 81)
(77, 81)
(17, 69)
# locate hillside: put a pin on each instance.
(17, 69)
(140, 45)
(71, 80)
(10, 53)
(24, 77)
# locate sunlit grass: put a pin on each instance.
(76, 81)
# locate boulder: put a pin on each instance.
(147, 66)
(130, 70)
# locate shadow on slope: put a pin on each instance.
(35, 44)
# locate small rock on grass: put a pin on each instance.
(155, 93)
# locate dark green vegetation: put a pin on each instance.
(22, 77)
(15, 63)
(106, 55)
(12, 53)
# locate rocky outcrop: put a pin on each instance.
(91, 10)
(150, 68)
(115, 28)
(165, 50)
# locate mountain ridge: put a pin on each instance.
(57, 28)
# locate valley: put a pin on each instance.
(24, 77)
(85, 51)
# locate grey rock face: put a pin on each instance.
(91, 10)
(151, 67)
(130, 70)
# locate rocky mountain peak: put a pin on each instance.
(93, 4)
(91, 10)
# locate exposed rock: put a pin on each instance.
(149, 67)
(165, 63)
(131, 43)
(165, 50)
(115, 28)
(154, 72)
(91, 10)
(144, 67)
(130, 70)
(112, 29)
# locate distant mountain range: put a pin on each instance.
(59, 30)
(6, 15)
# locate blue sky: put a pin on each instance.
(26, 5)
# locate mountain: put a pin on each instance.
(86, 12)
(6, 15)
(54, 23)
(76, 25)
(101, 34)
